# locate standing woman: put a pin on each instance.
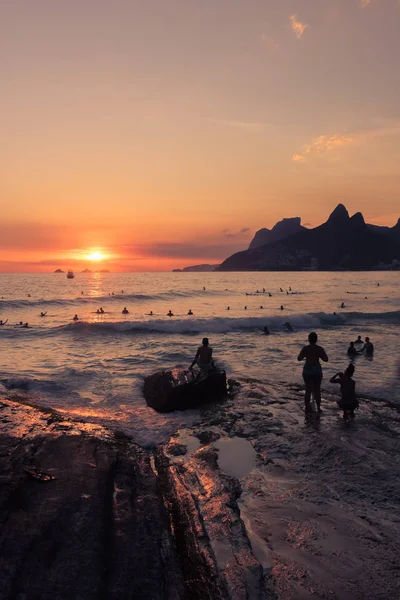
(312, 371)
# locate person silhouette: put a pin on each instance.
(312, 371)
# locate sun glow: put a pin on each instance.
(96, 256)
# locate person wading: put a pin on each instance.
(312, 371)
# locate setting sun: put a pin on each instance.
(95, 256)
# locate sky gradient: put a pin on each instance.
(166, 132)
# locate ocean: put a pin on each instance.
(93, 369)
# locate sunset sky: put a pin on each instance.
(163, 133)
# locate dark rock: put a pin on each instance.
(207, 437)
(95, 528)
(178, 389)
(176, 449)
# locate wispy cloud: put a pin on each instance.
(298, 27)
(322, 145)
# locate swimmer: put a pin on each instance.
(228, 308)
(281, 289)
(3, 322)
(261, 307)
(368, 347)
(25, 326)
(269, 294)
(348, 402)
(289, 326)
(82, 292)
(245, 308)
(75, 318)
(122, 292)
(98, 311)
(101, 310)
(265, 330)
(281, 307)
(190, 312)
(43, 314)
(290, 289)
(150, 314)
(352, 351)
(125, 311)
(29, 295)
(358, 340)
(335, 314)
(112, 294)
(378, 284)
(170, 313)
(263, 290)
(204, 289)
(342, 305)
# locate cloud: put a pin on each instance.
(322, 145)
(364, 3)
(298, 27)
(227, 233)
(183, 250)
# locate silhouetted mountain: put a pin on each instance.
(279, 231)
(59, 271)
(342, 242)
(87, 271)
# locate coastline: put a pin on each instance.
(313, 514)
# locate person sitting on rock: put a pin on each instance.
(203, 357)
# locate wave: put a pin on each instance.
(207, 325)
(98, 300)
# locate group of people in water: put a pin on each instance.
(311, 354)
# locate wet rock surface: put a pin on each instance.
(312, 512)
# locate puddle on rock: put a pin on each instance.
(236, 456)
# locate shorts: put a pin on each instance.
(312, 373)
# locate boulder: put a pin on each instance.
(179, 389)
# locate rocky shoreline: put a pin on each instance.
(254, 502)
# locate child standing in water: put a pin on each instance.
(348, 403)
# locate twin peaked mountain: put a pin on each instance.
(342, 243)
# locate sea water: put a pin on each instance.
(94, 368)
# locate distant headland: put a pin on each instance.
(341, 243)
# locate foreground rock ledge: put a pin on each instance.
(85, 515)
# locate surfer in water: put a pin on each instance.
(3, 322)
(352, 350)
(312, 371)
(342, 305)
(190, 312)
(203, 357)
(125, 311)
(170, 313)
(281, 307)
(43, 314)
(75, 318)
(368, 347)
(358, 341)
(228, 308)
(348, 403)
(289, 326)
(150, 313)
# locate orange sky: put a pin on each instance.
(166, 133)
